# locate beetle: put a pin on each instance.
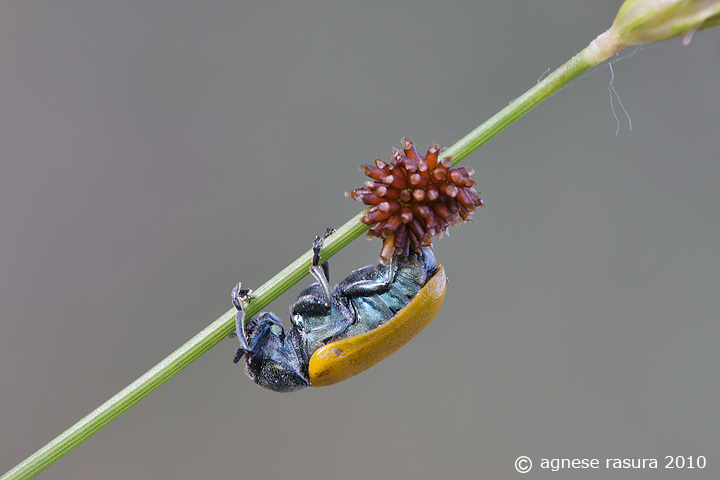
(338, 332)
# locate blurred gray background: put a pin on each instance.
(155, 153)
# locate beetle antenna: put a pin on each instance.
(239, 355)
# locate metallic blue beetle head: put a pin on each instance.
(271, 357)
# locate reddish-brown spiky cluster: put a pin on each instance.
(415, 198)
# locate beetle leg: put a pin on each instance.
(321, 273)
(266, 322)
(317, 246)
(260, 337)
(240, 294)
(380, 283)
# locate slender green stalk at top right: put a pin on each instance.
(597, 51)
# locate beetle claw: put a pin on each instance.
(241, 294)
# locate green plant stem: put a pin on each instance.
(604, 46)
(293, 273)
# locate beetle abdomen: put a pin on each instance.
(342, 359)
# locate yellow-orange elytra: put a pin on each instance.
(340, 360)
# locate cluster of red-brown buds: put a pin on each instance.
(415, 198)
